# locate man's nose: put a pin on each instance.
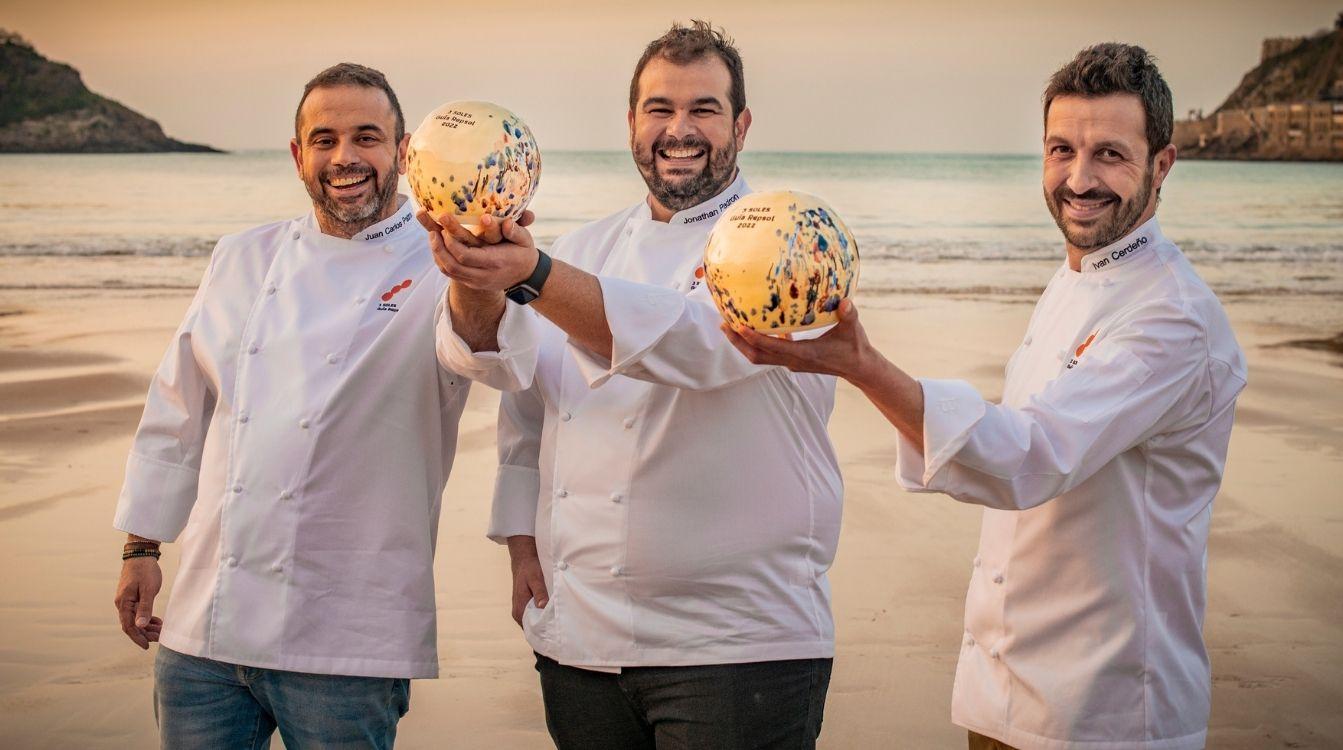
(681, 125)
(1082, 175)
(345, 154)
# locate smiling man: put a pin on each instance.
(670, 509)
(1083, 623)
(297, 436)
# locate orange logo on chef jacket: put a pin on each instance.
(699, 278)
(1081, 349)
(387, 303)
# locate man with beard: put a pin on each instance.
(297, 436)
(1083, 623)
(670, 509)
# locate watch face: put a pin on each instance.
(521, 294)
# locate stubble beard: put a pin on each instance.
(1121, 220)
(683, 193)
(346, 220)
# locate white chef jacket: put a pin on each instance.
(298, 435)
(685, 503)
(1083, 622)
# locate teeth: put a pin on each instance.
(681, 153)
(347, 181)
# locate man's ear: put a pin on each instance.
(740, 127)
(629, 118)
(1161, 165)
(401, 149)
(297, 152)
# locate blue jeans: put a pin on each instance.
(202, 703)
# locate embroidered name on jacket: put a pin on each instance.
(387, 303)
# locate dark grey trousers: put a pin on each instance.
(772, 704)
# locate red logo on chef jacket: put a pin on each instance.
(699, 278)
(1078, 354)
(387, 303)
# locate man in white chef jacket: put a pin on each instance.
(295, 441)
(1083, 623)
(671, 509)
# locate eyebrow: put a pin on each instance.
(664, 101)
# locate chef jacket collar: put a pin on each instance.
(709, 210)
(1135, 244)
(393, 227)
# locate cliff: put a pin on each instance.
(1305, 73)
(46, 108)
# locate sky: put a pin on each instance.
(826, 75)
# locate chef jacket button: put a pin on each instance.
(1027, 341)
(387, 248)
(253, 349)
(978, 561)
(616, 497)
(331, 359)
(993, 652)
(242, 418)
(998, 578)
(296, 235)
(566, 416)
(233, 562)
(969, 641)
(360, 301)
(286, 495)
(561, 493)
(237, 489)
(270, 289)
(616, 571)
(562, 565)
(304, 423)
(629, 422)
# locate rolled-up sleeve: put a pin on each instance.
(163, 469)
(664, 336)
(517, 485)
(511, 368)
(1139, 380)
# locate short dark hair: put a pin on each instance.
(1114, 68)
(353, 74)
(683, 45)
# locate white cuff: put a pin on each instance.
(951, 409)
(509, 369)
(513, 512)
(156, 499)
(639, 315)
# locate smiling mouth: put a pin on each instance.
(349, 183)
(1086, 209)
(680, 153)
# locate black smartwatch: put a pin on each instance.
(530, 288)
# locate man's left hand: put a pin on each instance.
(501, 256)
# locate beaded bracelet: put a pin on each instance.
(128, 554)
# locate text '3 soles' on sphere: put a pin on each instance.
(780, 262)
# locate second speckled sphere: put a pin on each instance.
(470, 159)
(780, 262)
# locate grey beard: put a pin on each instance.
(1121, 223)
(349, 220)
(711, 181)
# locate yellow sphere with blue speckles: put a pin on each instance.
(780, 262)
(470, 159)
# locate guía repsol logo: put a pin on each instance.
(1122, 252)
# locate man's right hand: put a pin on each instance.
(528, 581)
(140, 582)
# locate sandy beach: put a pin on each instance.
(76, 353)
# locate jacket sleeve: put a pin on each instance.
(1144, 378)
(667, 337)
(517, 486)
(163, 468)
(511, 368)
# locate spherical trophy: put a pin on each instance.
(471, 159)
(780, 262)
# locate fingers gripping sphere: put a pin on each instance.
(780, 262)
(472, 159)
